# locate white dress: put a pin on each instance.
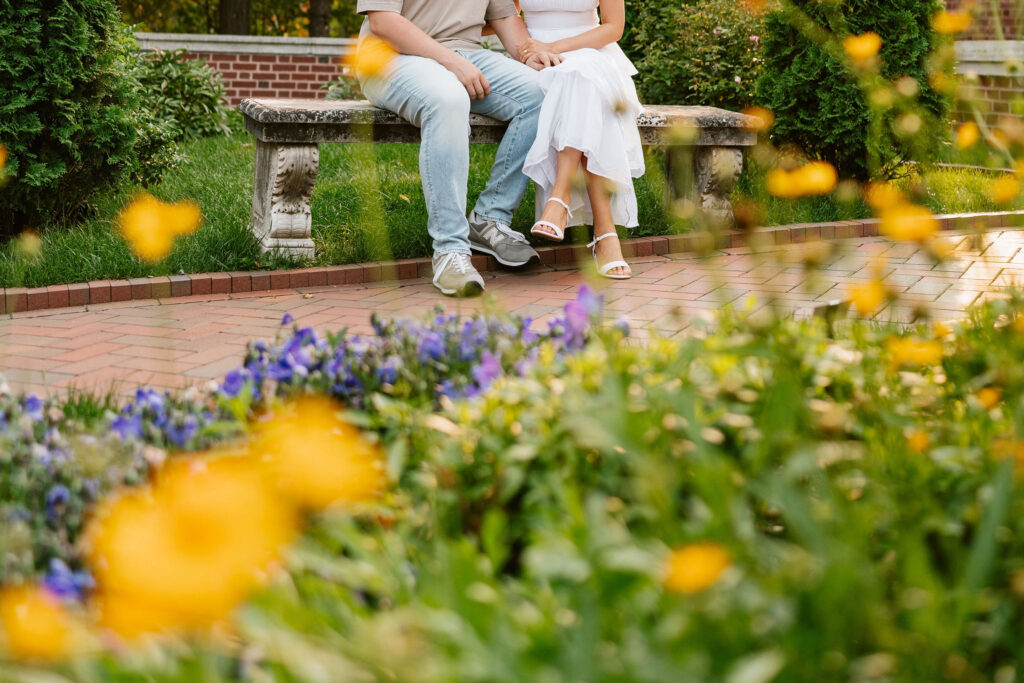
(590, 104)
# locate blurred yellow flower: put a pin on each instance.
(186, 551)
(882, 195)
(316, 457)
(3, 158)
(150, 226)
(764, 118)
(948, 23)
(695, 567)
(988, 397)
(1004, 189)
(371, 57)
(908, 222)
(918, 441)
(814, 178)
(27, 245)
(34, 625)
(967, 135)
(861, 49)
(907, 351)
(866, 298)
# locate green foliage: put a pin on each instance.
(71, 114)
(186, 93)
(705, 53)
(268, 17)
(820, 104)
(525, 533)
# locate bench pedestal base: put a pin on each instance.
(281, 217)
(716, 170)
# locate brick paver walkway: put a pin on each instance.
(174, 343)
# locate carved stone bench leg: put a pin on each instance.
(716, 170)
(285, 176)
(709, 182)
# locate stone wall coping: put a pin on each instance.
(987, 57)
(117, 292)
(252, 45)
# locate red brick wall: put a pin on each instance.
(1011, 14)
(993, 95)
(248, 75)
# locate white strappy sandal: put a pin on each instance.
(557, 234)
(604, 270)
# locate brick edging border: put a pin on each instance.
(21, 299)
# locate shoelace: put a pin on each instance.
(461, 263)
(511, 234)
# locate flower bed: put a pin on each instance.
(770, 500)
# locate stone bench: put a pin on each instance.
(289, 131)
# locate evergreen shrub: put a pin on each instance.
(71, 113)
(822, 108)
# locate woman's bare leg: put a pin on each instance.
(568, 166)
(600, 203)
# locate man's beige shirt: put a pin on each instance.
(453, 23)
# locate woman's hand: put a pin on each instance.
(533, 47)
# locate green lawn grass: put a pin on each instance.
(368, 205)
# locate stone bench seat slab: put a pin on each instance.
(289, 131)
(315, 121)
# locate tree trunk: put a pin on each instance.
(234, 17)
(320, 18)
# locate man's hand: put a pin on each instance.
(542, 60)
(470, 76)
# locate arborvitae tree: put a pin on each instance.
(820, 106)
(71, 115)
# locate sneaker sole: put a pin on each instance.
(510, 264)
(470, 289)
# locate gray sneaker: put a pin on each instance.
(508, 247)
(455, 275)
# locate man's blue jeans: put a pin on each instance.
(428, 95)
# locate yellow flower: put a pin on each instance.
(1004, 189)
(880, 195)
(967, 135)
(34, 625)
(150, 226)
(3, 158)
(988, 397)
(780, 184)
(918, 441)
(861, 49)
(763, 118)
(372, 57)
(695, 567)
(814, 178)
(906, 351)
(909, 222)
(185, 552)
(316, 457)
(866, 298)
(949, 23)
(817, 178)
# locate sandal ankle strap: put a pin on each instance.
(597, 239)
(564, 205)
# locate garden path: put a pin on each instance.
(179, 342)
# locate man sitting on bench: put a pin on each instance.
(442, 73)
